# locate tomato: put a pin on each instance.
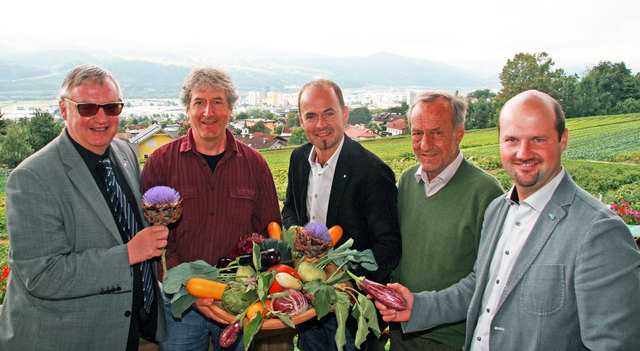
(281, 268)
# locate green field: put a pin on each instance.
(603, 156)
(614, 139)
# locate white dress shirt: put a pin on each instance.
(320, 180)
(520, 219)
(439, 182)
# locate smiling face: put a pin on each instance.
(209, 113)
(322, 119)
(530, 147)
(433, 138)
(93, 133)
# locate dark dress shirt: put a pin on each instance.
(236, 199)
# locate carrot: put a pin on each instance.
(201, 287)
(336, 234)
(274, 230)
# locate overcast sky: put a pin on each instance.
(479, 35)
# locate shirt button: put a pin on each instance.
(315, 196)
(518, 224)
(488, 310)
(212, 188)
(211, 214)
(506, 252)
(127, 314)
(497, 281)
(479, 338)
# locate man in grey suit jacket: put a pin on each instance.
(556, 270)
(75, 280)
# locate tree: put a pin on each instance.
(183, 129)
(527, 71)
(359, 115)
(42, 129)
(259, 127)
(15, 146)
(609, 85)
(400, 110)
(482, 114)
(278, 130)
(242, 115)
(292, 119)
(298, 137)
(482, 94)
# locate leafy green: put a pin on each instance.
(347, 258)
(341, 309)
(285, 318)
(176, 282)
(252, 329)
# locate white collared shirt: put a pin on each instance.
(439, 182)
(320, 180)
(520, 219)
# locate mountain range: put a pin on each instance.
(36, 75)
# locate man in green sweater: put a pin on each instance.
(441, 203)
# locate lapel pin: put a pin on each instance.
(552, 217)
(344, 176)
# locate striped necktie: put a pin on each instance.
(128, 224)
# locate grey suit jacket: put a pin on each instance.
(575, 285)
(70, 286)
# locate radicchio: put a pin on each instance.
(292, 304)
(244, 246)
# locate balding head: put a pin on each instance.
(539, 99)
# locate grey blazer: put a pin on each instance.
(70, 286)
(575, 285)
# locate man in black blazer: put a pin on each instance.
(334, 180)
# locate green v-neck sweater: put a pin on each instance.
(440, 235)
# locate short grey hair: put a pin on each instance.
(458, 105)
(86, 73)
(205, 77)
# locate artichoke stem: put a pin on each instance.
(164, 266)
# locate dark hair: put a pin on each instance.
(458, 106)
(207, 76)
(86, 73)
(324, 83)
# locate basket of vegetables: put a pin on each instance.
(285, 280)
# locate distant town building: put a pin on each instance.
(383, 118)
(395, 127)
(149, 139)
(262, 141)
(359, 131)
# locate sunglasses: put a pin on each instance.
(89, 109)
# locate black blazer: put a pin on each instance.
(363, 202)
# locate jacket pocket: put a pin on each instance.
(543, 291)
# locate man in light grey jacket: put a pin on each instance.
(77, 256)
(556, 270)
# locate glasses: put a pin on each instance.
(89, 109)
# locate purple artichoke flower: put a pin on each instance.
(161, 195)
(318, 231)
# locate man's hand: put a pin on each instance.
(202, 305)
(147, 243)
(391, 315)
